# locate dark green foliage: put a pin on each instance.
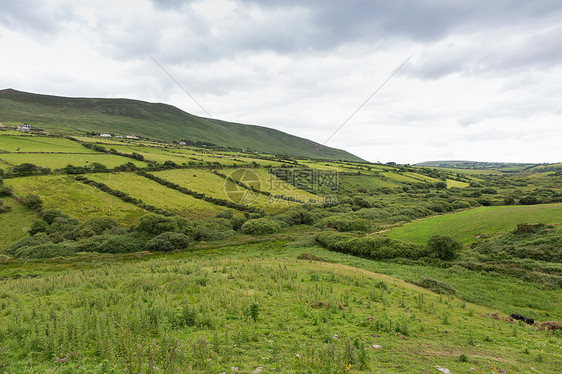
(71, 169)
(443, 247)
(6, 191)
(216, 229)
(50, 215)
(94, 226)
(252, 311)
(125, 243)
(46, 250)
(461, 204)
(344, 224)
(528, 200)
(228, 214)
(97, 167)
(37, 226)
(440, 185)
(441, 206)
(154, 224)
(168, 241)
(27, 241)
(436, 286)
(373, 247)
(28, 169)
(137, 156)
(260, 226)
(489, 190)
(33, 202)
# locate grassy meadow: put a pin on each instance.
(466, 226)
(91, 283)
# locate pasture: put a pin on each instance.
(465, 226)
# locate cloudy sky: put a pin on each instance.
(484, 81)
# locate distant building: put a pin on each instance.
(1, 125)
(132, 137)
(119, 136)
(183, 143)
(24, 128)
(105, 135)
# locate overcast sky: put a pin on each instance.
(484, 82)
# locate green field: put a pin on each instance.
(242, 308)
(467, 225)
(58, 161)
(74, 198)
(215, 186)
(27, 143)
(14, 224)
(159, 196)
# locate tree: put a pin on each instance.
(33, 202)
(443, 247)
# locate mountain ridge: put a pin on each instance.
(123, 116)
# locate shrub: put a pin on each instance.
(443, 247)
(489, 190)
(440, 185)
(46, 250)
(528, 200)
(50, 215)
(6, 191)
(33, 202)
(155, 224)
(461, 204)
(168, 241)
(97, 167)
(37, 226)
(126, 243)
(213, 230)
(94, 226)
(260, 226)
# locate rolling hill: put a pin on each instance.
(152, 120)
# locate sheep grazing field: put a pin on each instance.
(158, 257)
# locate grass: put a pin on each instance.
(15, 223)
(212, 185)
(58, 161)
(251, 306)
(155, 194)
(27, 143)
(74, 198)
(467, 225)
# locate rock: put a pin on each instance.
(376, 346)
(443, 370)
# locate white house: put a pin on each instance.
(105, 135)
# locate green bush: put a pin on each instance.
(94, 226)
(46, 250)
(37, 226)
(443, 247)
(213, 230)
(6, 191)
(155, 224)
(168, 241)
(126, 243)
(33, 202)
(50, 215)
(461, 204)
(260, 226)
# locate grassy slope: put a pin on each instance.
(466, 225)
(60, 160)
(107, 311)
(155, 194)
(74, 198)
(14, 224)
(159, 121)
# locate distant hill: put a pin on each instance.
(507, 167)
(152, 120)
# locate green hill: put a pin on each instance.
(507, 167)
(152, 120)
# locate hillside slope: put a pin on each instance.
(152, 120)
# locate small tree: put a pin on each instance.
(443, 247)
(260, 226)
(167, 241)
(33, 202)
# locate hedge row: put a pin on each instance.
(371, 247)
(198, 195)
(123, 196)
